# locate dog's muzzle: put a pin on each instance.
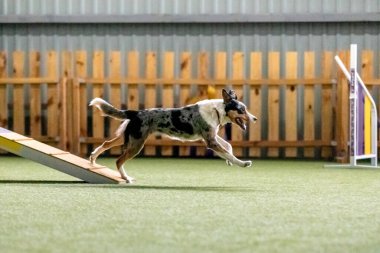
(252, 118)
(241, 119)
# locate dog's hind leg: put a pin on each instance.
(133, 148)
(117, 141)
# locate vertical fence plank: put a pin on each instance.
(168, 91)
(18, 93)
(367, 65)
(237, 74)
(75, 91)
(220, 74)
(67, 102)
(327, 105)
(203, 68)
(184, 93)
(203, 65)
(342, 115)
(81, 72)
(115, 91)
(291, 68)
(133, 72)
(98, 91)
(309, 121)
(273, 101)
(35, 95)
(3, 91)
(150, 93)
(72, 103)
(255, 102)
(52, 96)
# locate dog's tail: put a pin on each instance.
(107, 109)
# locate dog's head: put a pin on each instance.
(236, 110)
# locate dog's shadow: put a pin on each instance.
(188, 188)
(129, 186)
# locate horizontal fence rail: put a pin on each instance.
(301, 100)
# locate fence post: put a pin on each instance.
(75, 116)
(53, 98)
(3, 91)
(342, 152)
(63, 113)
(327, 116)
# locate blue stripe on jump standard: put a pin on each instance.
(360, 121)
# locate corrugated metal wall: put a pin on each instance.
(191, 37)
(68, 7)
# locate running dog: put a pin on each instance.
(199, 121)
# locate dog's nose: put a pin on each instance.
(253, 118)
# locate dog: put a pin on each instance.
(199, 121)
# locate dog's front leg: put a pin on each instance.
(223, 153)
(227, 146)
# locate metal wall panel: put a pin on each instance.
(248, 37)
(188, 7)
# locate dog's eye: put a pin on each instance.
(241, 109)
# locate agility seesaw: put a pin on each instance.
(363, 117)
(57, 159)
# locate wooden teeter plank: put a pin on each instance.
(73, 159)
(84, 163)
(14, 136)
(49, 150)
(57, 159)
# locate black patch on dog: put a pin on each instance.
(134, 126)
(234, 105)
(130, 114)
(180, 122)
(162, 125)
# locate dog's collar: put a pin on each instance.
(217, 114)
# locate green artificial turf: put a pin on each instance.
(184, 205)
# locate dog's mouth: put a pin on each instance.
(241, 123)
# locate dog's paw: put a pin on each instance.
(229, 163)
(247, 164)
(129, 180)
(92, 159)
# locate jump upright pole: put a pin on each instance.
(363, 117)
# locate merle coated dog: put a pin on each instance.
(199, 121)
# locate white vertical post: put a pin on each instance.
(374, 135)
(353, 104)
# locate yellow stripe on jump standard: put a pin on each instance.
(367, 126)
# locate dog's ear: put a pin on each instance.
(226, 96)
(232, 94)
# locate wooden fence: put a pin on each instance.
(300, 99)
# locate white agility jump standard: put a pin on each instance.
(57, 159)
(363, 116)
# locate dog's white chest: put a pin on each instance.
(212, 111)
